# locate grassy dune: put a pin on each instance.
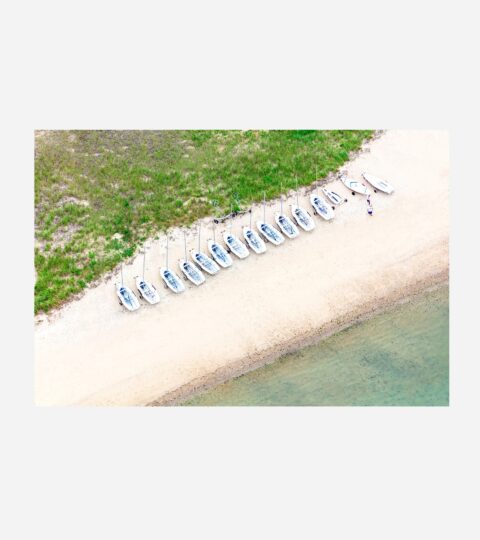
(100, 194)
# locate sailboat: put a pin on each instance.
(302, 216)
(218, 252)
(284, 223)
(321, 207)
(172, 281)
(204, 261)
(354, 186)
(378, 183)
(188, 268)
(146, 290)
(333, 196)
(234, 244)
(253, 239)
(269, 231)
(126, 297)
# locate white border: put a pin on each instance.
(238, 473)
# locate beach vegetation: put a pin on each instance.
(100, 194)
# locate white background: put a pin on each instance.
(373, 473)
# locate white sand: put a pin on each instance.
(93, 352)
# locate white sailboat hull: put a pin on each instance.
(270, 233)
(205, 262)
(286, 225)
(191, 272)
(219, 254)
(126, 297)
(235, 245)
(355, 186)
(378, 183)
(302, 218)
(147, 291)
(172, 281)
(321, 207)
(333, 197)
(254, 240)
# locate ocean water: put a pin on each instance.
(396, 358)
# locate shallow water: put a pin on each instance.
(396, 358)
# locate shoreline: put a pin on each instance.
(92, 352)
(241, 367)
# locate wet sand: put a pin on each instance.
(92, 352)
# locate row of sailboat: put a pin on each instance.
(219, 256)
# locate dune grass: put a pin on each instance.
(100, 194)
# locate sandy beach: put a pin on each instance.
(93, 352)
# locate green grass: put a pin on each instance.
(100, 194)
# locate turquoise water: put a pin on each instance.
(396, 358)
